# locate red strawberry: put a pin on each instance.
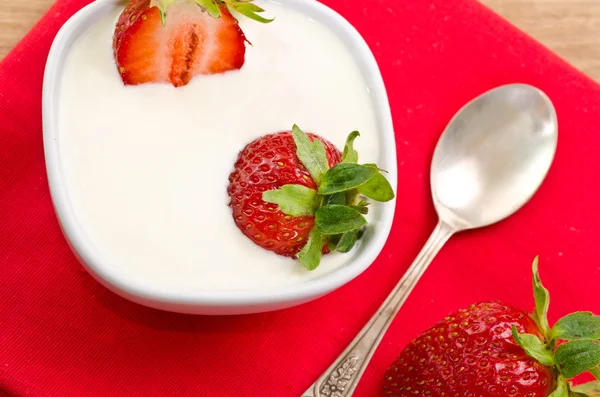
(494, 350)
(191, 41)
(266, 164)
(295, 194)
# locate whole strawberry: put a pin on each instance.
(493, 350)
(297, 195)
(171, 41)
(471, 352)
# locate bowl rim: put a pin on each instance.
(174, 300)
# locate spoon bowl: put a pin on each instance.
(493, 156)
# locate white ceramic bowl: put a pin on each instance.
(214, 302)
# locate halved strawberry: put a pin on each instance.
(152, 45)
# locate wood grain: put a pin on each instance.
(568, 27)
(16, 18)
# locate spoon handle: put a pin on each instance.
(342, 377)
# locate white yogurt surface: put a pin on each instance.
(147, 166)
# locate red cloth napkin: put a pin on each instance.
(62, 334)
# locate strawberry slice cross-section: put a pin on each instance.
(158, 43)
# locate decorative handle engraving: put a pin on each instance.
(339, 378)
(342, 377)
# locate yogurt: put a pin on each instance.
(147, 167)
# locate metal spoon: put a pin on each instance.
(488, 163)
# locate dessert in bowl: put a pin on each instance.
(156, 114)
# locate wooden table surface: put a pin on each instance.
(569, 27)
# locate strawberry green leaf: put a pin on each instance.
(577, 356)
(377, 188)
(375, 167)
(350, 154)
(562, 388)
(345, 176)
(248, 9)
(211, 7)
(310, 255)
(294, 200)
(252, 7)
(163, 5)
(338, 219)
(591, 389)
(363, 204)
(311, 154)
(348, 241)
(360, 208)
(534, 347)
(542, 300)
(332, 241)
(595, 372)
(337, 198)
(580, 325)
(575, 394)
